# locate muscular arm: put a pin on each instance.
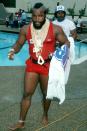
(19, 43)
(60, 36)
(74, 34)
(21, 40)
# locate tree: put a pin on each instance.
(82, 11)
(47, 10)
(58, 3)
(72, 11)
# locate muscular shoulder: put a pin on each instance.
(24, 29)
(57, 29)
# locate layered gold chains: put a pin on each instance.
(38, 37)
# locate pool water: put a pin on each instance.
(80, 50)
(8, 39)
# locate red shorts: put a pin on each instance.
(41, 69)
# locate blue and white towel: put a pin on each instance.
(59, 71)
(61, 54)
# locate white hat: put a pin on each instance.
(60, 8)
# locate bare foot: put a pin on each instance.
(19, 125)
(45, 120)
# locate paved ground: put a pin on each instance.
(70, 116)
(82, 37)
(16, 30)
(9, 29)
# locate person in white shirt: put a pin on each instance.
(79, 25)
(23, 18)
(62, 58)
(68, 26)
(69, 29)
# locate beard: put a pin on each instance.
(60, 19)
(38, 25)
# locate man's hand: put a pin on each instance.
(11, 54)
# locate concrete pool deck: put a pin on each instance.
(70, 116)
(81, 36)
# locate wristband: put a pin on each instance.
(12, 50)
(20, 121)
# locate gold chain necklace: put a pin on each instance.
(38, 37)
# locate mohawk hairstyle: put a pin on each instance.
(40, 5)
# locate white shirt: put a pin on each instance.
(79, 22)
(67, 25)
(24, 16)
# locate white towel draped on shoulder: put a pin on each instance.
(70, 60)
(59, 71)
